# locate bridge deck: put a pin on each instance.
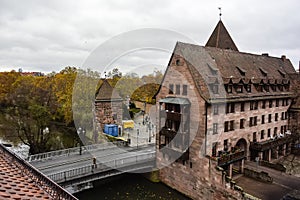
(99, 162)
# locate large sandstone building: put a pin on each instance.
(217, 107)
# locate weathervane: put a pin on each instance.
(220, 8)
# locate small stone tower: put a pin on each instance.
(108, 106)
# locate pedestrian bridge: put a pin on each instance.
(75, 167)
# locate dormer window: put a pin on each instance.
(213, 70)
(248, 88)
(287, 87)
(281, 73)
(239, 88)
(259, 88)
(242, 71)
(263, 72)
(229, 88)
(266, 87)
(215, 88)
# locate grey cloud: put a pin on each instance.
(39, 35)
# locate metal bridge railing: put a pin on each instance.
(70, 151)
(101, 167)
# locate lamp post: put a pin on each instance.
(137, 138)
(81, 132)
(144, 112)
(149, 127)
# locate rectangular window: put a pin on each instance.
(285, 115)
(277, 102)
(171, 88)
(262, 119)
(225, 145)
(269, 132)
(276, 116)
(242, 106)
(263, 104)
(215, 88)
(232, 125)
(270, 103)
(275, 131)
(253, 105)
(242, 123)
(266, 88)
(262, 134)
(215, 128)
(253, 121)
(226, 126)
(214, 149)
(229, 88)
(270, 118)
(239, 89)
(177, 89)
(256, 105)
(248, 88)
(282, 116)
(215, 109)
(254, 136)
(282, 102)
(184, 90)
(230, 108)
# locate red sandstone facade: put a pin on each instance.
(217, 107)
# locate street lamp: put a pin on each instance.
(137, 138)
(81, 133)
(144, 112)
(149, 127)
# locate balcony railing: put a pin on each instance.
(174, 116)
(272, 143)
(167, 132)
(226, 159)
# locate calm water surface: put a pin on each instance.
(130, 186)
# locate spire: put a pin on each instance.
(220, 38)
(220, 8)
(106, 92)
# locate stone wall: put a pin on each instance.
(108, 113)
(247, 132)
(197, 177)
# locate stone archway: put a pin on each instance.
(242, 145)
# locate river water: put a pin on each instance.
(130, 186)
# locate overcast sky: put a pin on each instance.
(49, 35)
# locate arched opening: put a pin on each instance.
(241, 145)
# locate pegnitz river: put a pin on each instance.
(130, 186)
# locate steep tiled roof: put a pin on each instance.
(107, 93)
(235, 67)
(220, 38)
(19, 180)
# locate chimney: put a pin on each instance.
(265, 54)
(283, 57)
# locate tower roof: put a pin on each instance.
(220, 38)
(107, 93)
